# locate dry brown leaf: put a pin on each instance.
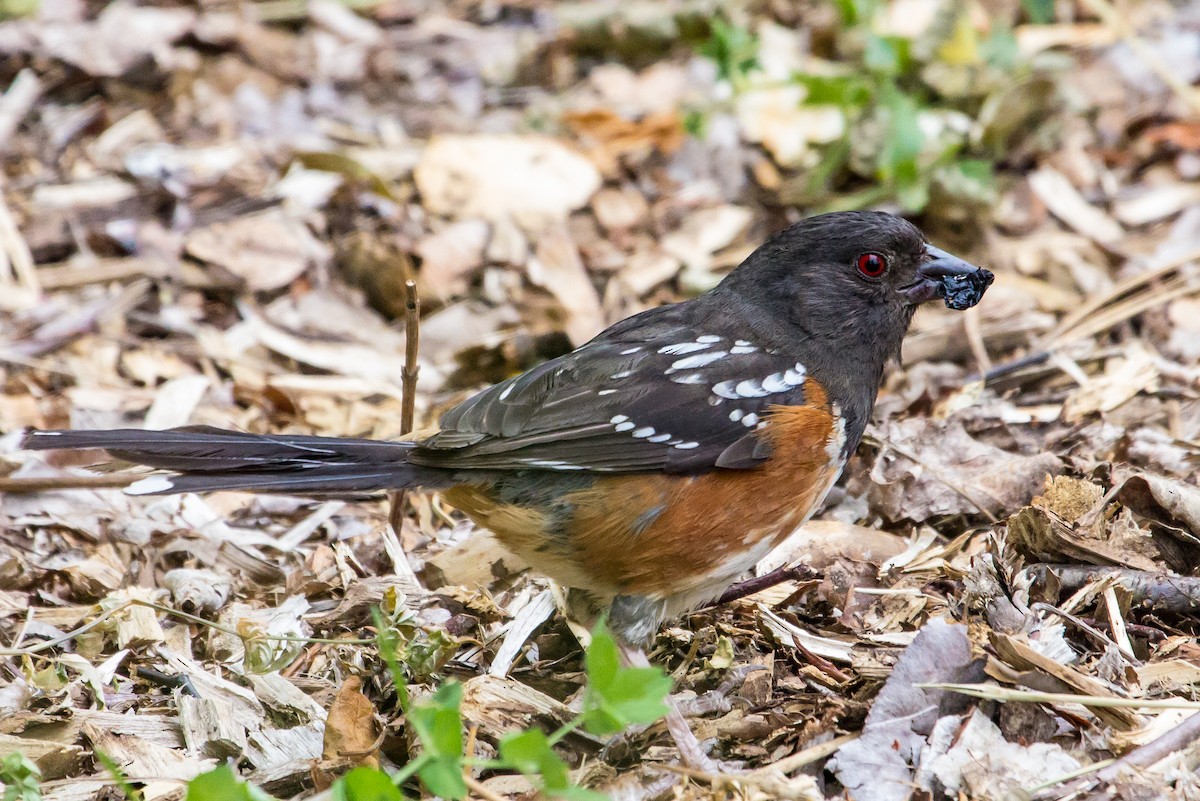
(879, 766)
(267, 251)
(533, 180)
(952, 473)
(1124, 377)
(350, 730)
(558, 267)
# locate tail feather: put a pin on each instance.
(206, 459)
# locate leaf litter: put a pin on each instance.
(208, 216)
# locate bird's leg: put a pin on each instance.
(690, 750)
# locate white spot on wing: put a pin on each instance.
(726, 389)
(795, 375)
(149, 486)
(690, 378)
(628, 351)
(626, 426)
(659, 438)
(620, 418)
(736, 415)
(750, 388)
(622, 374)
(775, 382)
(699, 360)
(708, 338)
(606, 392)
(740, 349)
(681, 348)
(642, 433)
(687, 446)
(507, 391)
(749, 420)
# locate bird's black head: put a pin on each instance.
(854, 277)
(839, 290)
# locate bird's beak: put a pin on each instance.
(960, 283)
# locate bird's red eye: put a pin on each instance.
(872, 265)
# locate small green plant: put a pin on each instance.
(21, 778)
(919, 113)
(616, 698)
(221, 784)
(733, 49)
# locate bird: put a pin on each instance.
(655, 464)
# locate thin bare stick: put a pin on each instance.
(22, 484)
(412, 342)
(408, 387)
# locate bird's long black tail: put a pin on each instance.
(203, 459)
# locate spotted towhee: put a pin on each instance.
(659, 461)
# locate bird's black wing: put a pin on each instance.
(652, 393)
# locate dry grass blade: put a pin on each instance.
(994, 692)
(1071, 326)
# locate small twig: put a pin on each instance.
(994, 692)
(1087, 628)
(481, 790)
(1178, 738)
(408, 388)
(1158, 591)
(777, 576)
(807, 756)
(22, 484)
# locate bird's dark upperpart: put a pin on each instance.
(657, 462)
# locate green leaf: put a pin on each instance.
(857, 12)
(1000, 48)
(616, 696)
(438, 724)
(444, 776)
(577, 793)
(530, 753)
(898, 159)
(1040, 12)
(21, 778)
(733, 48)
(848, 91)
(109, 764)
(221, 784)
(388, 643)
(968, 179)
(366, 784)
(889, 55)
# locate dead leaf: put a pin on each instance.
(533, 180)
(1124, 377)
(952, 472)
(267, 251)
(350, 730)
(879, 765)
(558, 267)
(982, 764)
